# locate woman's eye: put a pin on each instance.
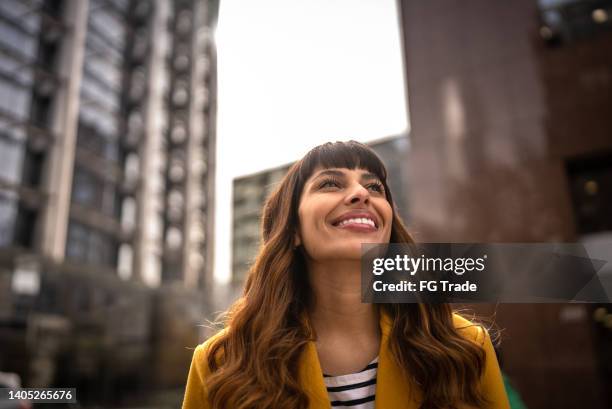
(377, 187)
(329, 183)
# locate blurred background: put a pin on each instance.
(140, 138)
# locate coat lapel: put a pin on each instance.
(311, 378)
(392, 388)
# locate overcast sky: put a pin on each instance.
(296, 73)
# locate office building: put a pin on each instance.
(107, 144)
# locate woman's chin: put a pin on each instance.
(338, 251)
(353, 253)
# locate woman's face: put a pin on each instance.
(340, 209)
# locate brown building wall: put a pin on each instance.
(495, 114)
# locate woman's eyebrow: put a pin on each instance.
(339, 173)
(369, 176)
(329, 172)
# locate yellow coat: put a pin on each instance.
(391, 387)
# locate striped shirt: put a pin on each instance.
(356, 390)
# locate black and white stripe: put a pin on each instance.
(356, 390)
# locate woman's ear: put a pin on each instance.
(297, 241)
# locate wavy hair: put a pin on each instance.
(254, 362)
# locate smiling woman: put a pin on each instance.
(339, 210)
(300, 337)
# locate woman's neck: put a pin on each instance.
(347, 330)
(337, 307)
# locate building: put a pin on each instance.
(107, 146)
(250, 193)
(510, 142)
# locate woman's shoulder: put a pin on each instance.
(470, 329)
(492, 384)
(195, 390)
(201, 352)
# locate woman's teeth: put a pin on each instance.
(357, 221)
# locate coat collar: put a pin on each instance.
(392, 388)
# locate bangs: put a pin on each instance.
(350, 155)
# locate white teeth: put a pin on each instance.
(358, 220)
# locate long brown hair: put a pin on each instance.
(254, 362)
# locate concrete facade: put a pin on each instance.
(507, 101)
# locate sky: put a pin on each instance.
(293, 74)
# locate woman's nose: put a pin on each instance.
(358, 194)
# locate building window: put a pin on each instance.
(91, 191)
(86, 190)
(8, 213)
(76, 245)
(565, 21)
(590, 182)
(89, 245)
(11, 156)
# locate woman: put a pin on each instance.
(300, 337)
